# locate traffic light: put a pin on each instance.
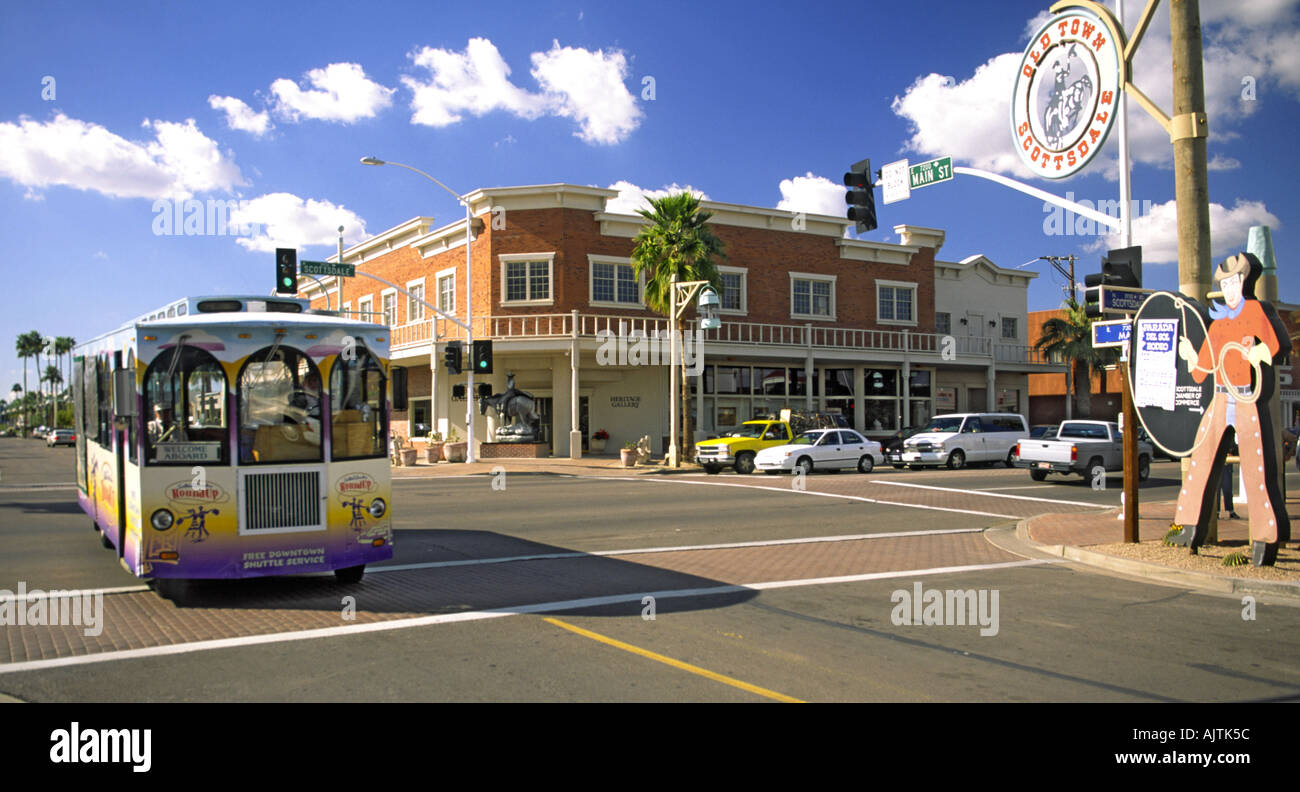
(451, 357)
(861, 196)
(481, 357)
(1119, 267)
(286, 271)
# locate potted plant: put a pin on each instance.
(628, 454)
(453, 450)
(406, 451)
(433, 453)
(598, 441)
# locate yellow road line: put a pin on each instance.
(704, 672)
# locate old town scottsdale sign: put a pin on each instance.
(1067, 91)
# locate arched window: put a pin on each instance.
(359, 406)
(185, 421)
(279, 407)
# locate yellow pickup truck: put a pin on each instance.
(738, 448)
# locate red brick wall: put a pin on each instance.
(768, 255)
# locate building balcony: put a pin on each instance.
(413, 339)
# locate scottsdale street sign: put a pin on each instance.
(932, 172)
(327, 268)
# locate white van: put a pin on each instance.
(958, 439)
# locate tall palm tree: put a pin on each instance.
(27, 345)
(55, 379)
(1070, 338)
(678, 242)
(63, 345)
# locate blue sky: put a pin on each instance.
(272, 105)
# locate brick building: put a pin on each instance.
(811, 320)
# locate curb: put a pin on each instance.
(1219, 584)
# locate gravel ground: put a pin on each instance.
(1210, 559)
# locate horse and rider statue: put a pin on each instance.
(518, 408)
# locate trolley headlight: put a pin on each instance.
(161, 520)
(378, 508)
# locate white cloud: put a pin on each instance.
(289, 221)
(812, 194)
(966, 120)
(575, 83)
(631, 197)
(240, 116)
(588, 87)
(342, 92)
(178, 163)
(1258, 40)
(1157, 231)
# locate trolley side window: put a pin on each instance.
(359, 418)
(185, 409)
(279, 408)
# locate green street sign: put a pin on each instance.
(926, 173)
(327, 268)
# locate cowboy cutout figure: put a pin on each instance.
(1241, 347)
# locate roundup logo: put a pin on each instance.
(189, 492)
(355, 483)
(1065, 96)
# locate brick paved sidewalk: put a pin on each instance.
(1098, 538)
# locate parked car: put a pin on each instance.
(893, 447)
(825, 449)
(960, 438)
(1089, 448)
(40, 432)
(60, 437)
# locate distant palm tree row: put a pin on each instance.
(33, 345)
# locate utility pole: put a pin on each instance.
(1189, 131)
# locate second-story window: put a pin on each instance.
(732, 297)
(447, 293)
(896, 302)
(390, 308)
(527, 279)
(414, 306)
(1009, 328)
(812, 297)
(614, 282)
(943, 323)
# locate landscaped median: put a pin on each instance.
(1097, 540)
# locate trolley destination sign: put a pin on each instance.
(327, 268)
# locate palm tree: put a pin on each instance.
(28, 345)
(677, 245)
(1070, 338)
(63, 345)
(55, 379)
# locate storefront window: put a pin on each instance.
(921, 412)
(279, 407)
(919, 384)
(798, 385)
(771, 381)
(358, 392)
(185, 409)
(880, 415)
(733, 380)
(880, 382)
(839, 382)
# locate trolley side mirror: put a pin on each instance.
(399, 388)
(124, 401)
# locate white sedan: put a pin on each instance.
(827, 449)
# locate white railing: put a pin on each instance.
(561, 325)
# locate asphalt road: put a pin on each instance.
(536, 590)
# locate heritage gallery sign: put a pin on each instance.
(1066, 93)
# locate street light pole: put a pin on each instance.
(469, 302)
